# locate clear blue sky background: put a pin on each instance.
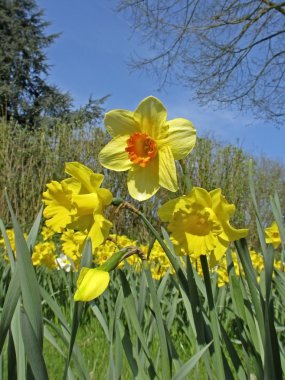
(91, 56)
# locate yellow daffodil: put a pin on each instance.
(47, 233)
(72, 244)
(146, 144)
(44, 254)
(11, 237)
(78, 203)
(199, 223)
(91, 284)
(272, 235)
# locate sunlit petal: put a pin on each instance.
(120, 122)
(114, 157)
(89, 180)
(181, 137)
(99, 230)
(167, 169)
(143, 183)
(151, 116)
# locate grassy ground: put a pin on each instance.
(93, 346)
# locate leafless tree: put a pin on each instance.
(229, 52)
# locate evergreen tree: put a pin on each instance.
(25, 95)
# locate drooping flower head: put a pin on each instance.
(146, 144)
(78, 203)
(199, 223)
(272, 235)
(91, 284)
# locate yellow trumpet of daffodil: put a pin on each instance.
(147, 145)
(199, 223)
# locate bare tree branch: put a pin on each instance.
(225, 51)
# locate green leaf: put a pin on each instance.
(130, 309)
(8, 245)
(9, 307)
(165, 357)
(28, 281)
(190, 364)
(33, 347)
(33, 234)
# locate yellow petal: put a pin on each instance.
(181, 137)
(89, 180)
(114, 157)
(200, 196)
(72, 185)
(105, 196)
(120, 122)
(234, 233)
(143, 183)
(224, 211)
(99, 230)
(91, 284)
(151, 116)
(166, 211)
(167, 169)
(82, 223)
(222, 208)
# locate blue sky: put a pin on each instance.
(91, 58)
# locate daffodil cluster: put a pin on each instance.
(44, 253)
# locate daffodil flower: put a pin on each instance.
(91, 284)
(77, 203)
(199, 223)
(272, 235)
(147, 145)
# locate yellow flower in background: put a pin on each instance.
(110, 246)
(47, 233)
(72, 244)
(44, 254)
(272, 235)
(146, 144)
(11, 237)
(91, 284)
(257, 260)
(78, 203)
(159, 264)
(199, 223)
